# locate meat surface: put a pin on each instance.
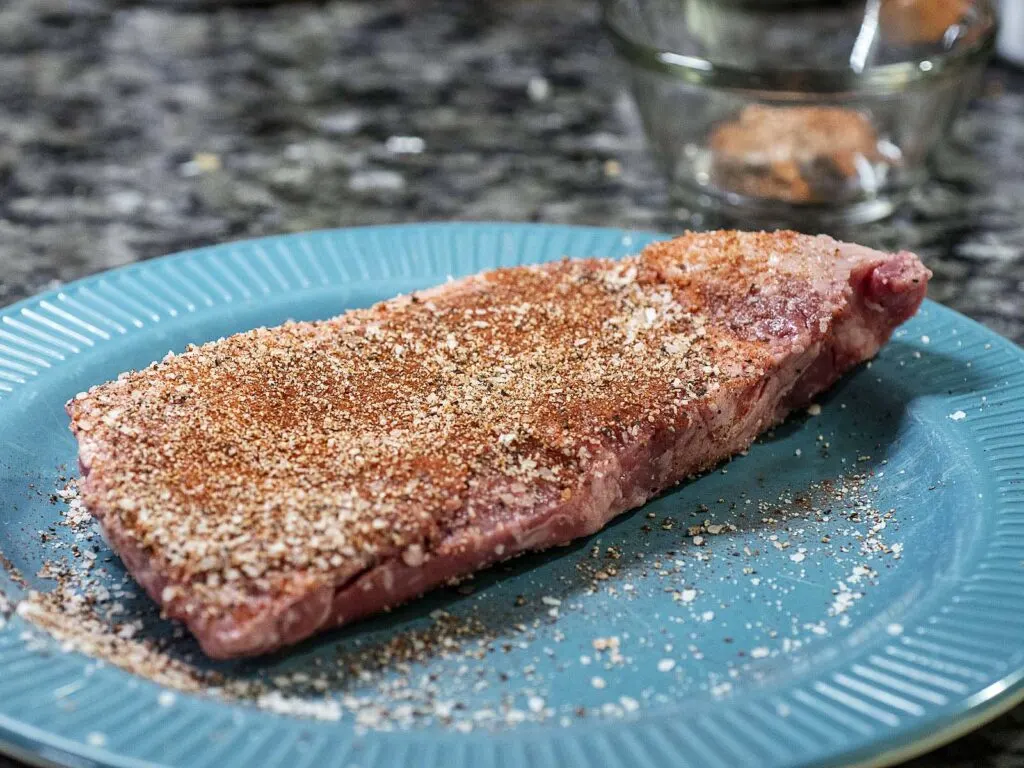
(269, 485)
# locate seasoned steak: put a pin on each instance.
(281, 481)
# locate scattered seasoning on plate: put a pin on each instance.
(391, 682)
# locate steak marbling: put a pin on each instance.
(278, 482)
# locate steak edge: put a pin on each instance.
(267, 486)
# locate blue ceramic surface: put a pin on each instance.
(740, 651)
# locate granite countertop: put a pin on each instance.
(132, 130)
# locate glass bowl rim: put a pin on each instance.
(884, 78)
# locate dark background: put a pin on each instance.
(129, 131)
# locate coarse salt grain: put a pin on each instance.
(629, 703)
(278, 703)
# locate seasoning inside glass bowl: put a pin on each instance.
(797, 111)
(921, 21)
(799, 154)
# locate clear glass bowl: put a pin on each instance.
(799, 111)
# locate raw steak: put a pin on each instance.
(278, 482)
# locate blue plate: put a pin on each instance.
(799, 638)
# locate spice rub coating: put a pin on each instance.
(280, 481)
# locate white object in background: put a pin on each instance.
(1010, 42)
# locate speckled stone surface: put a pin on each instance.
(132, 130)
